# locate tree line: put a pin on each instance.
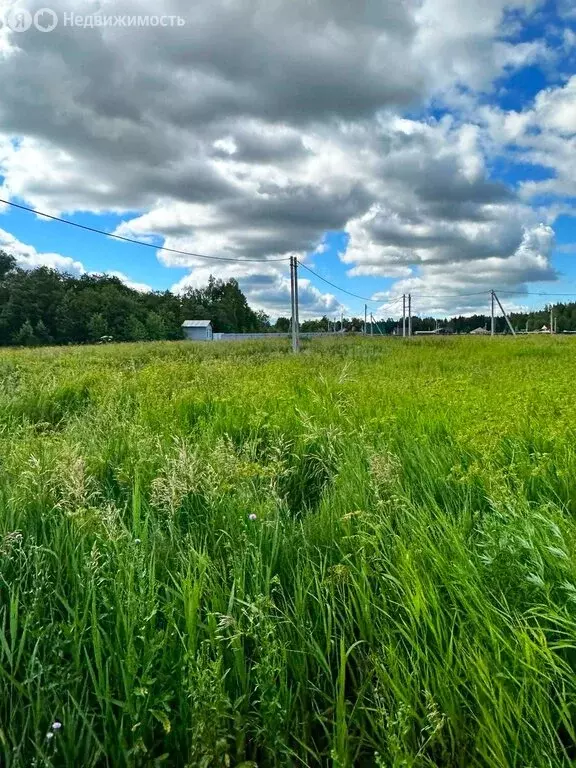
(44, 306)
(564, 314)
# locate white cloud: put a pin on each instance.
(543, 134)
(460, 41)
(259, 126)
(266, 287)
(555, 109)
(454, 281)
(27, 257)
(133, 284)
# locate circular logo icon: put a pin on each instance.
(18, 19)
(45, 20)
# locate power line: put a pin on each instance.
(136, 242)
(448, 296)
(266, 261)
(487, 292)
(337, 287)
(389, 304)
(534, 293)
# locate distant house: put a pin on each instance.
(197, 330)
(435, 332)
(479, 332)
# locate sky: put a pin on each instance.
(392, 146)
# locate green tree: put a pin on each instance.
(282, 325)
(7, 264)
(155, 326)
(263, 320)
(97, 327)
(41, 333)
(135, 329)
(25, 336)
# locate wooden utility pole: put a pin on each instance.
(409, 314)
(365, 314)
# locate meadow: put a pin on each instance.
(226, 555)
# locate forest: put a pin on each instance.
(564, 314)
(44, 306)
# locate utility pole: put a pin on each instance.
(342, 322)
(371, 324)
(409, 314)
(492, 294)
(294, 302)
(365, 314)
(551, 319)
(403, 314)
(296, 306)
(512, 331)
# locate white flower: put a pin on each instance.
(252, 516)
(56, 725)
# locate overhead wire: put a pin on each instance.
(339, 288)
(534, 293)
(137, 242)
(195, 255)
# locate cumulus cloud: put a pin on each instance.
(133, 284)
(446, 288)
(266, 287)
(543, 134)
(27, 257)
(259, 126)
(440, 222)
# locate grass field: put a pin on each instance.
(224, 555)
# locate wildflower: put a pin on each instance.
(54, 728)
(137, 541)
(252, 516)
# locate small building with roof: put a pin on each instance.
(197, 330)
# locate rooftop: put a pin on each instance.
(196, 323)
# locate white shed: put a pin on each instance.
(197, 330)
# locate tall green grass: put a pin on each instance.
(224, 555)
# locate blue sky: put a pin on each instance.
(425, 149)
